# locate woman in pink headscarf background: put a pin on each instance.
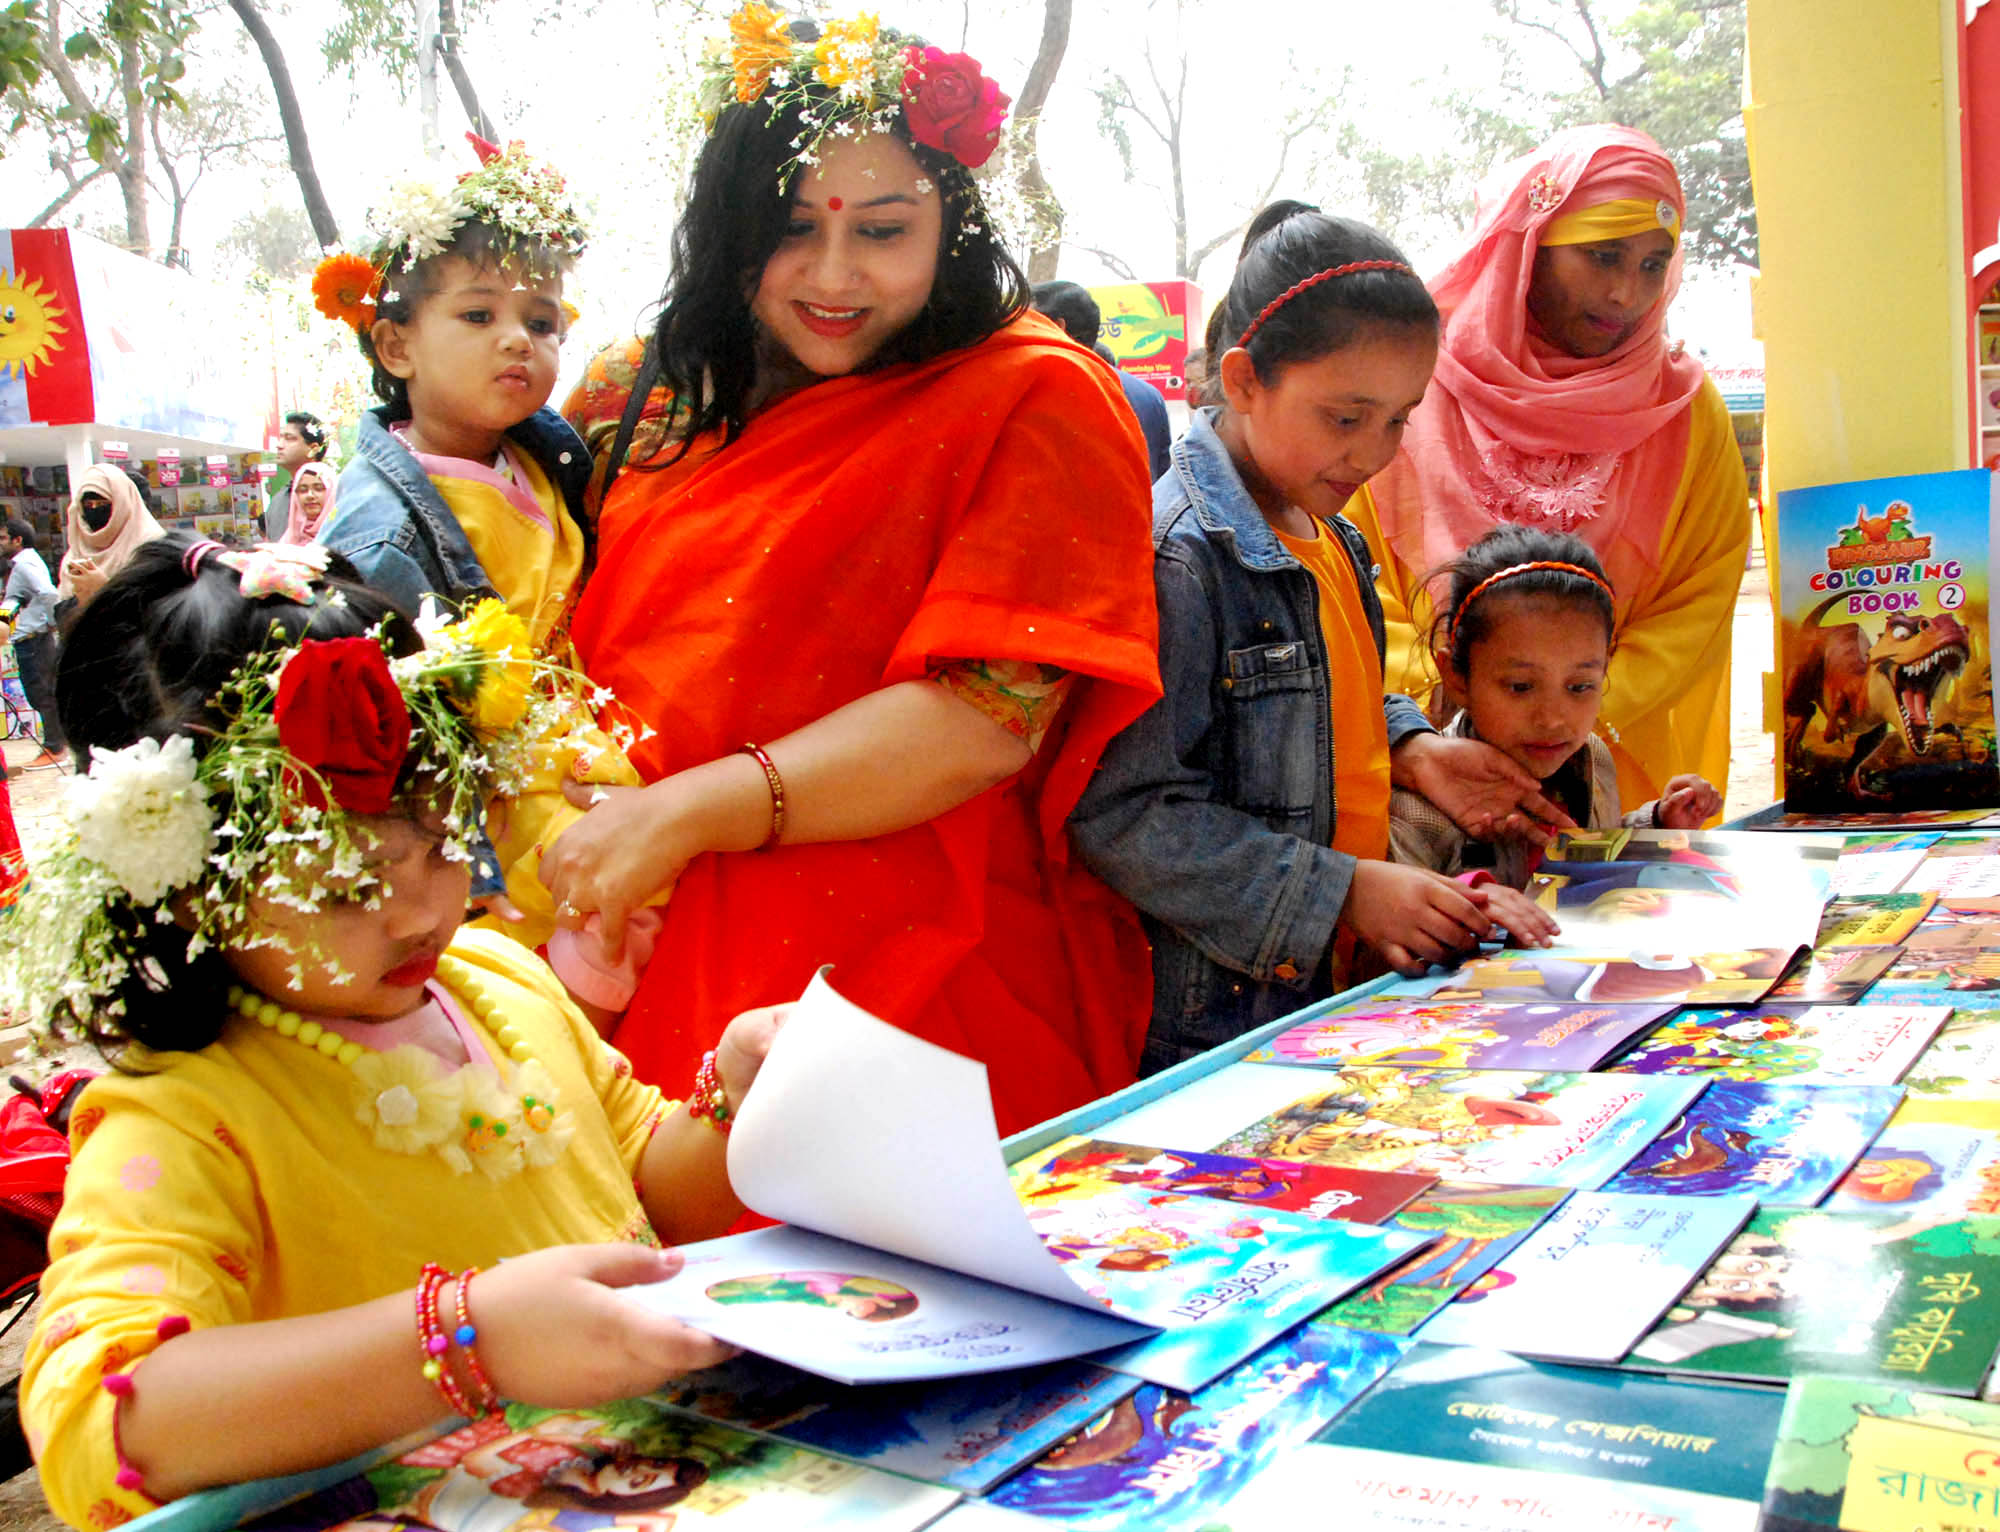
(311, 504)
(107, 523)
(1559, 403)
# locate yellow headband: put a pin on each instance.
(1613, 220)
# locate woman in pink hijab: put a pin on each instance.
(311, 504)
(107, 523)
(1559, 403)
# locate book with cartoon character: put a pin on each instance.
(1962, 1061)
(1834, 976)
(1786, 1145)
(1885, 644)
(1942, 964)
(1937, 1167)
(1164, 1459)
(1593, 1277)
(1870, 920)
(1910, 1298)
(1852, 1453)
(1462, 1034)
(1811, 1045)
(1608, 976)
(1506, 1125)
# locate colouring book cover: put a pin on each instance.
(1610, 976)
(1879, 1458)
(1785, 1145)
(1833, 976)
(1594, 1277)
(1471, 1124)
(636, 1464)
(1871, 920)
(1476, 1224)
(1962, 1061)
(1819, 1045)
(1884, 649)
(965, 1433)
(1462, 1035)
(1445, 1405)
(1317, 1191)
(1885, 1295)
(1164, 1459)
(1945, 1169)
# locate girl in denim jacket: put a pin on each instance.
(1246, 813)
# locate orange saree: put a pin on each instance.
(989, 504)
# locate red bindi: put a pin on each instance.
(834, 203)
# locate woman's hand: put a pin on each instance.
(627, 851)
(1485, 792)
(1411, 915)
(554, 1331)
(1526, 923)
(1687, 803)
(746, 1042)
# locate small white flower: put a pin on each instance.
(143, 817)
(422, 213)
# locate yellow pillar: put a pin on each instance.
(1852, 114)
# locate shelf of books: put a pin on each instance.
(221, 497)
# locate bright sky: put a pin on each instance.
(587, 94)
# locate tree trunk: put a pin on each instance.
(1034, 95)
(325, 230)
(454, 66)
(131, 168)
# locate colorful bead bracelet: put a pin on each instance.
(435, 1344)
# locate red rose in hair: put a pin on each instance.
(950, 105)
(340, 713)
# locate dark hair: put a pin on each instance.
(739, 204)
(145, 660)
(311, 429)
(1326, 317)
(145, 490)
(18, 527)
(1070, 305)
(405, 283)
(1267, 218)
(1460, 621)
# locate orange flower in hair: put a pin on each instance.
(759, 44)
(343, 288)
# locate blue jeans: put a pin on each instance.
(37, 658)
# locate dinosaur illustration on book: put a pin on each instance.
(1880, 692)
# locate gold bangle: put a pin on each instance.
(777, 783)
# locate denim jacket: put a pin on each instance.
(1214, 811)
(395, 527)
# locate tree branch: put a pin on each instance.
(76, 185)
(1114, 261)
(454, 66)
(325, 230)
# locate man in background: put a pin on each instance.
(27, 610)
(301, 440)
(1076, 311)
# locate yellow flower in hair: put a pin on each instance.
(500, 696)
(759, 44)
(846, 52)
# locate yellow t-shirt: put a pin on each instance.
(237, 1184)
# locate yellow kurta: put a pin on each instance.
(236, 1184)
(535, 566)
(1666, 701)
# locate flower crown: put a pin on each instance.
(316, 732)
(850, 77)
(524, 198)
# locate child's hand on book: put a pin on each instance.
(1687, 803)
(1412, 916)
(553, 1331)
(746, 1042)
(1526, 923)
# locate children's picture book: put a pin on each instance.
(1163, 1459)
(1879, 1458)
(1958, 867)
(1471, 1124)
(1870, 920)
(1913, 819)
(1817, 1045)
(955, 1276)
(1785, 1145)
(1623, 975)
(1874, 872)
(1945, 1169)
(1962, 1061)
(637, 1463)
(965, 1433)
(1317, 1191)
(1462, 1035)
(1475, 1224)
(1884, 644)
(1884, 1295)
(1450, 1406)
(1833, 976)
(1593, 1277)
(1939, 973)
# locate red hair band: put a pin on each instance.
(1508, 573)
(1314, 280)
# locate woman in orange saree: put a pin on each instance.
(894, 532)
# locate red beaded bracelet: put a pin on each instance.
(467, 1337)
(435, 1345)
(708, 1100)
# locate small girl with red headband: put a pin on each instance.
(1523, 643)
(1246, 814)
